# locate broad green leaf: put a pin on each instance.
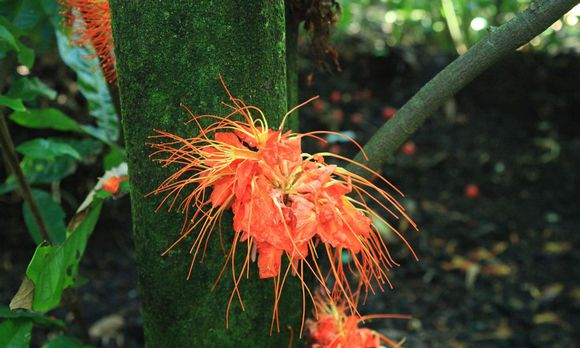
(45, 118)
(40, 171)
(30, 89)
(53, 269)
(35, 317)
(66, 342)
(13, 103)
(47, 149)
(52, 214)
(45, 171)
(15, 333)
(92, 85)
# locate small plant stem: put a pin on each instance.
(11, 159)
(500, 42)
(453, 25)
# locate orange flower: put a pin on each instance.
(113, 184)
(334, 328)
(91, 23)
(284, 202)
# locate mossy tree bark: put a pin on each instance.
(292, 31)
(171, 52)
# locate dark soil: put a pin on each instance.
(499, 269)
(498, 262)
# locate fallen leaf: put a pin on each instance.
(108, 328)
(546, 318)
(557, 247)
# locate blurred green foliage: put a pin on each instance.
(32, 31)
(446, 24)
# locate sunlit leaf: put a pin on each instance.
(53, 269)
(52, 214)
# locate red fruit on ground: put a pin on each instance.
(318, 105)
(338, 115)
(389, 112)
(409, 148)
(335, 96)
(356, 118)
(471, 191)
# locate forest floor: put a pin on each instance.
(491, 179)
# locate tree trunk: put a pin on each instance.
(170, 52)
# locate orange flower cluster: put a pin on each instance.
(91, 23)
(285, 202)
(334, 328)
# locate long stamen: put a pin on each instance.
(284, 202)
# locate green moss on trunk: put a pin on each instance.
(171, 52)
(292, 26)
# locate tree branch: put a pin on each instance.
(9, 154)
(500, 42)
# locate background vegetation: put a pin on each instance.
(491, 179)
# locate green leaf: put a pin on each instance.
(15, 333)
(45, 118)
(45, 171)
(36, 318)
(7, 37)
(13, 103)
(115, 157)
(53, 269)
(66, 342)
(30, 89)
(47, 149)
(28, 14)
(40, 171)
(26, 56)
(125, 186)
(93, 87)
(52, 214)
(87, 148)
